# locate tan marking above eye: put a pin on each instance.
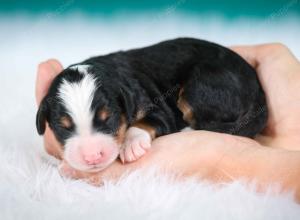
(66, 122)
(103, 114)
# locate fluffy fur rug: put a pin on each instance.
(30, 186)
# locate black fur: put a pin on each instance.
(222, 89)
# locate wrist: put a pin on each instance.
(263, 166)
(236, 158)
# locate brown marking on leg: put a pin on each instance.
(186, 109)
(142, 125)
(121, 132)
(139, 115)
(180, 92)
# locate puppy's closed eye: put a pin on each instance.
(66, 122)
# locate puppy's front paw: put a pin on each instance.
(137, 142)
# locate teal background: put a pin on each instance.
(229, 8)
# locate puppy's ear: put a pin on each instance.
(42, 116)
(128, 102)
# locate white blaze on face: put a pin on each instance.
(82, 150)
(77, 98)
(82, 68)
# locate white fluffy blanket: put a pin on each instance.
(30, 186)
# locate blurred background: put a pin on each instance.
(72, 30)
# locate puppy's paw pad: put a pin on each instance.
(137, 142)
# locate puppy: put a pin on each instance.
(116, 104)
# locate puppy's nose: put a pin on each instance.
(93, 158)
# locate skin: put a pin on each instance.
(272, 158)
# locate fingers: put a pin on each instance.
(52, 146)
(96, 178)
(262, 53)
(46, 72)
(55, 64)
(278, 71)
(249, 53)
(274, 63)
(67, 171)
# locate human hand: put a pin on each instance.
(46, 72)
(279, 74)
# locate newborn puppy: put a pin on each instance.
(118, 103)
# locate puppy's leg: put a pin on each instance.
(136, 144)
(209, 101)
(141, 133)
